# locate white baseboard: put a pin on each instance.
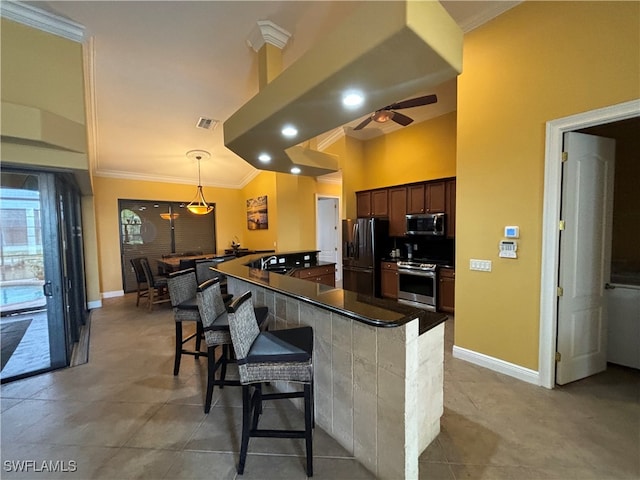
(94, 304)
(497, 365)
(115, 293)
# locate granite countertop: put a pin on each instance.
(372, 311)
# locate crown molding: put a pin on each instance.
(266, 31)
(332, 137)
(123, 175)
(42, 20)
(487, 14)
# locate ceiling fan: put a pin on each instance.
(389, 112)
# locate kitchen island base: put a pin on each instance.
(378, 391)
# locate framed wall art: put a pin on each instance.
(257, 213)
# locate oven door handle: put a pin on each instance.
(416, 273)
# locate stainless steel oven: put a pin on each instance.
(417, 284)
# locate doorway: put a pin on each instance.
(41, 271)
(328, 231)
(552, 214)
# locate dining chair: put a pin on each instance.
(141, 280)
(156, 285)
(265, 357)
(186, 263)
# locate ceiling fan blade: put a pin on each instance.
(401, 119)
(364, 123)
(414, 102)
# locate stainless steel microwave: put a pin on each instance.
(425, 224)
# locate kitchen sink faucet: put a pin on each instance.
(265, 261)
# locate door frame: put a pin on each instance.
(319, 197)
(555, 130)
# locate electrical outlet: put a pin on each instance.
(480, 265)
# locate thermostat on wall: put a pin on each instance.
(512, 232)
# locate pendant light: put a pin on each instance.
(170, 215)
(199, 205)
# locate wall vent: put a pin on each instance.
(207, 123)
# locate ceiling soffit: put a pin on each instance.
(387, 50)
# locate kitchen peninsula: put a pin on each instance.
(378, 364)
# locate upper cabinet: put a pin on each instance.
(437, 196)
(397, 211)
(426, 198)
(372, 203)
(416, 198)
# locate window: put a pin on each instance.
(145, 233)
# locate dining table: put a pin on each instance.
(172, 264)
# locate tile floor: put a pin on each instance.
(124, 415)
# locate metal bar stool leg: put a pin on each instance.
(176, 363)
(246, 415)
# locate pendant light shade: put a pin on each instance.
(199, 205)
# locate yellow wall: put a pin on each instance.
(42, 70)
(43, 98)
(230, 217)
(419, 152)
(263, 184)
(291, 206)
(350, 154)
(537, 62)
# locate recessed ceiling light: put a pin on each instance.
(352, 99)
(264, 157)
(295, 170)
(289, 131)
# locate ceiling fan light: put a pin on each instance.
(382, 116)
(169, 216)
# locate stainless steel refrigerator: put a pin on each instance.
(363, 242)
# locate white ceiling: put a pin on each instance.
(157, 67)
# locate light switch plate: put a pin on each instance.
(480, 265)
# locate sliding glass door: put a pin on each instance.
(153, 229)
(40, 272)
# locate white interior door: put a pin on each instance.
(327, 229)
(585, 255)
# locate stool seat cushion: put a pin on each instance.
(270, 347)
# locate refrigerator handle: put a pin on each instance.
(356, 241)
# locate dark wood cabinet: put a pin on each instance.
(435, 197)
(446, 291)
(372, 203)
(363, 204)
(450, 207)
(426, 197)
(397, 211)
(389, 280)
(380, 203)
(324, 274)
(416, 198)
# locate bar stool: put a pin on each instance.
(183, 287)
(277, 355)
(215, 325)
